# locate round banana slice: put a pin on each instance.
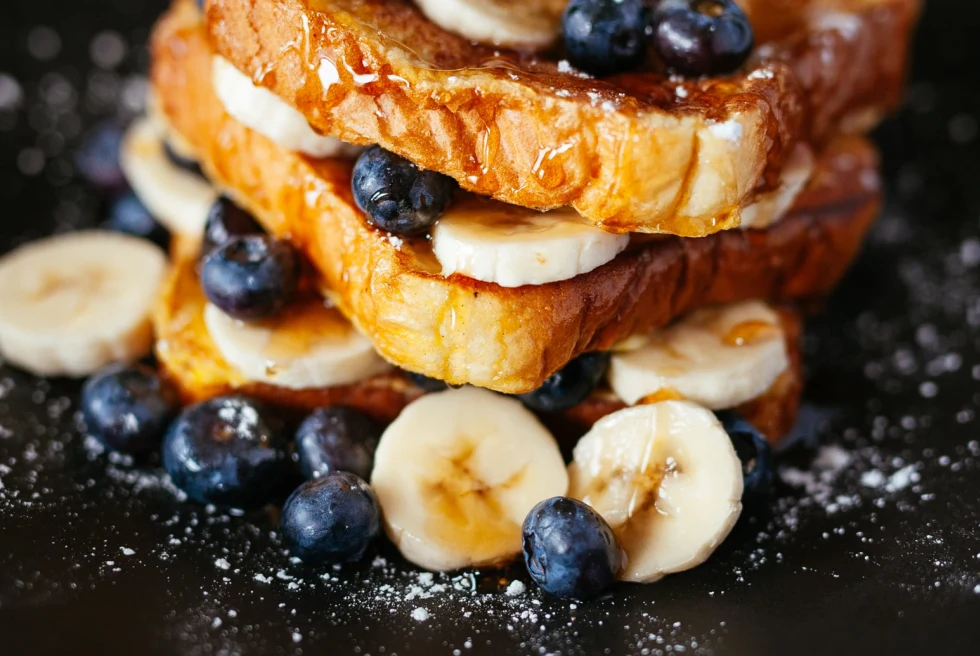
(508, 23)
(307, 346)
(666, 478)
(718, 357)
(514, 246)
(267, 114)
(178, 199)
(456, 474)
(73, 303)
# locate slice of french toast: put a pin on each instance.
(637, 152)
(507, 339)
(190, 358)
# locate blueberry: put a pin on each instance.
(129, 215)
(425, 383)
(128, 408)
(605, 37)
(337, 439)
(396, 195)
(569, 550)
(186, 163)
(755, 453)
(570, 386)
(226, 220)
(701, 37)
(251, 278)
(331, 519)
(97, 158)
(229, 451)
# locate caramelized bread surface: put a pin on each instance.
(636, 152)
(190, 359)
(463, 331)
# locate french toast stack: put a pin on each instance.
(609, 210)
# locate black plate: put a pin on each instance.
(871, 546)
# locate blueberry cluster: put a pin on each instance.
(689, 37)
(237, 451)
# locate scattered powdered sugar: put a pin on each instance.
(420, 614)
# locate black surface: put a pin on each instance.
(874, 571)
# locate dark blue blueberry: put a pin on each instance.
(97, 158)
(569, 550)
(570, 386)
(180, 161)
(701, 37)
(251, 278)
(396, 195)
(226, 220)
(337, 439)
(605, 37)
(425, 383)
(229, 451)
(128, 408)
(331, 519)
(128, 214)
(755, 453)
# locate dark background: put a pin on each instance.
(878, 554)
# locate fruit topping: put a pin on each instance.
(754, 453)
(337, 439)
(128, 408)
(604, 37)
(252, 277)
(129, 215)
(229, 451)
(332, 519)
(666, 478)
(97, 158)
(570, 386)
(701, 37)
(396, 195)
(570, 550)
(226, 220)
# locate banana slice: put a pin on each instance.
(267, 114)
(457, 472)
(773, 206)
(179, 199)
(74, 303)
(666, 478)
(718, 357)
(307, 346)
(532, 24)
(514, 246)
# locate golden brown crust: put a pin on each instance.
(190, 359)
(631, 153)
(463, 331)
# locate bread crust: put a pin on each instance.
(190, 359)
(633, 153)
(464, 331)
